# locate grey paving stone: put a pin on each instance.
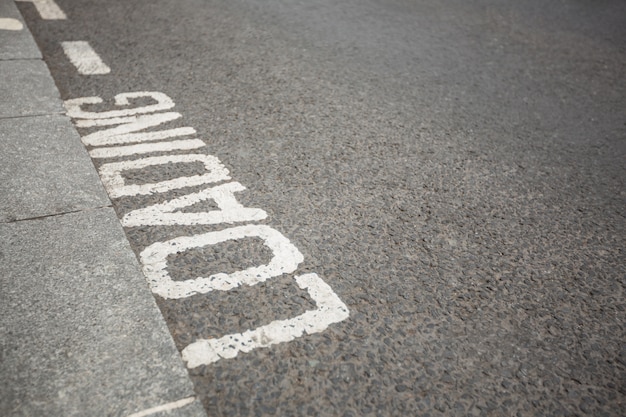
(80, 334)
(16, 44)
(27, 89)
(44, 169)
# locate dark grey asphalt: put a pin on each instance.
(454, 170)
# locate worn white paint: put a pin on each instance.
(176, 145)
(165, 407)
(145, 137)
(111, 174)
(285, 260)
(75, 111)
(230, 210)
(330, 309)
(47, 9)
(128, 126)
(7, 23)
(84, 58)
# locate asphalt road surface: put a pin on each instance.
(452, 173)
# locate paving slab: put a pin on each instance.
(80, 334)
(15, 42)
(45, 169)
(27, 89)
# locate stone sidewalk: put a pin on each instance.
(80, 332)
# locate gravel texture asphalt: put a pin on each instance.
(453, 170)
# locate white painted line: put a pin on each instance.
(7, 23)
(141, 137)
(111, 174)
(131, 123)
(127, 124)
(165, 407)
(285, 260)
(330, 309)
(125, 132)
(84, 58)
(230, 210)
(47, 9)
(177, 145)
(75, 111)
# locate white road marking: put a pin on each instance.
(165, 407)
(145, 137)
(230, 210)
(84, 58)
(75, 111)
(177, 145)
(330, 309)
(154, 260)
(7, 23)
(125, 132)
(47, 9)
(111, 174)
